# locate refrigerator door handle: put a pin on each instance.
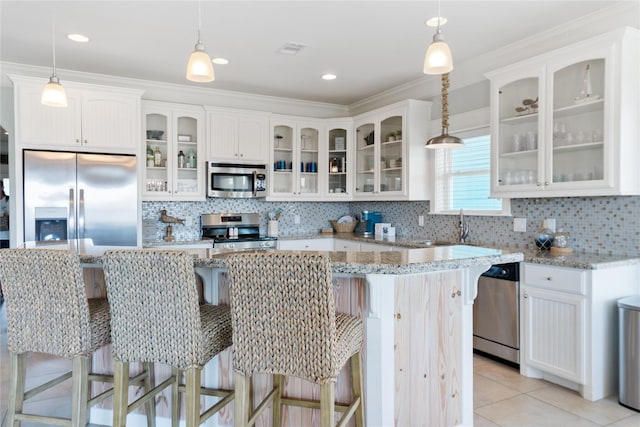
(81, 214)
(71, 215)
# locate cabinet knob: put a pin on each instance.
(398, 316)
(546, 183)
(549, 279)
(236, 154)
(77, 140)
(86, 142)
(241, 155)
(538, 183)
(526, 295)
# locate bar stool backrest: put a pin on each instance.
(155, 315)
(47, 308)
(283, 315)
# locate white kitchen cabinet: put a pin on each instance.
(238, 136)
(97, 118)
(179, 175)
(390, 157)
(295, 170)
(324, 244)
(578, 133)
(337, 158)
(568, 325)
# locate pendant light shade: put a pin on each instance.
(53, 94)
(438, 58)
(200, 67)
(445, 140)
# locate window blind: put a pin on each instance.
(463, 176)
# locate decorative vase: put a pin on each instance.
(544, 237)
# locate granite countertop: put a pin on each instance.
(387, 262)
(579, 260)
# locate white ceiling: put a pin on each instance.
(372, 46)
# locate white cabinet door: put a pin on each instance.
(110, 122)
(296, 173)
(41, 125)
(553, 325)
(96, 119)
(389, 149)
(180, 173)
(235, 136)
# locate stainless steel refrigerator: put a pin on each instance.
(80, 196)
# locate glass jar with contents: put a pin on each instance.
(560, 239)
(157, 157)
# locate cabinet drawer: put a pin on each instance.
(555, 278)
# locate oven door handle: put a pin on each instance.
(255, 183)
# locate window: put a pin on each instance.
(463, 179)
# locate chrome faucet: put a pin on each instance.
(464, 228)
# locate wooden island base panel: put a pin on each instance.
(418, 356)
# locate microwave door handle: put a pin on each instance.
(255, 183)
(71, 215)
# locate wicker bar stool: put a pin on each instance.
(48, 312)
(156, 317)
(284, 323)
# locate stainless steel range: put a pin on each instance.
(235, 231)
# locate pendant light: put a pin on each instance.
(445, 140)
(438, 58)
(53, 93)
(200, 67)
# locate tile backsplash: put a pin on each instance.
(601, 225)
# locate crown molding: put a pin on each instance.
(186, 94)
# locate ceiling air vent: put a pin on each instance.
(291, 48)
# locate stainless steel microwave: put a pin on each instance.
(236, 180)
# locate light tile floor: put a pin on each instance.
(502, 397)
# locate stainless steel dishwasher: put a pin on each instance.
(496, 313)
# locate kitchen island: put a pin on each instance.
(417, 309)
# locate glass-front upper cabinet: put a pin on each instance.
(338, 160)
(380, 156)
(173, 152)
(295, 156)
(566, 123)
(517, 130)
(578, 122)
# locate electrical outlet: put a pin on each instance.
(421, 220)
(296, 219)
(520, 224)
(551, 223)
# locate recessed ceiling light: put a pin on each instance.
(433, 22)
(329, 77)
(78, 38)
(220, 61)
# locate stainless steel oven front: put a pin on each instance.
(236, 180)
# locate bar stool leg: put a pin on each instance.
(175, 397)
(16, 387)
(120, 393)
(356, 384)
(276, 407)
(80, 391)
(327, 404)
(241, 402)
(149, 382)
(192, 377)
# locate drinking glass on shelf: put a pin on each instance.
(516, 144)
